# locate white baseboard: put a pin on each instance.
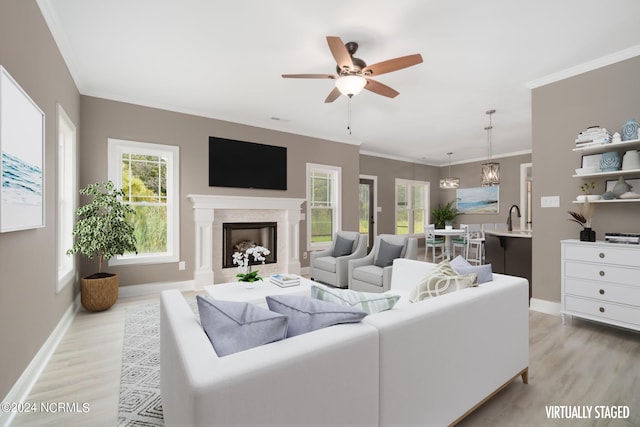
(543, 306)
(154, 288)
(21, 389)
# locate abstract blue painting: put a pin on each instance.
(479, 200)
(22, 150)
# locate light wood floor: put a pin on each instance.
(580, 363)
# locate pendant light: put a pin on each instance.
(490, 169)
(449, 181)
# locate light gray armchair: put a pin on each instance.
(331, 266)
(373, 272)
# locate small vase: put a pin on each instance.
(610, 161)
(587, 235)
(630, 130)
(621, 187)
(631, 160)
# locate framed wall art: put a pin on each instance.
(22, 150)
(479, 200)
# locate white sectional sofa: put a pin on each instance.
(425, 363)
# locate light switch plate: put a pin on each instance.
(550, 201)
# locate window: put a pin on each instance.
(412, 206)
(67, 197)
(148, 175)
(323, 204)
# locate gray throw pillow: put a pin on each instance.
(342, 247)
(462, 266)
(306, 314)
(236, 326)
(387, 253)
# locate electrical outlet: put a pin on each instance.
(550, 201)
(182, 265)
(304, 255)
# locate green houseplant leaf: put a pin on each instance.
(443, 214)
(102, 229)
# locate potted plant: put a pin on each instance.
(103, 231)
(247, 258)
(584, 219)
(444, 215)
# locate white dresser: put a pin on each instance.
(601, 282)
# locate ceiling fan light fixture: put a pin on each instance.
(351, 85)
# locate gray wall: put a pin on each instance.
(386, 171)
(103, 119)
(607, 97)
(29, 305)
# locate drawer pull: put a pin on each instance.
(601, 291)
(601, 309)
(601, 255)
(601, 273)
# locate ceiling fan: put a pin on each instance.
(353, 74)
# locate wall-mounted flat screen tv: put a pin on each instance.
(242, 164)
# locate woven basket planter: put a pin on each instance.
(99, 292)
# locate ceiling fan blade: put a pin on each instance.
(333, 95)
(393, 64)
(381, 89)
(310, 76)
(339, 52)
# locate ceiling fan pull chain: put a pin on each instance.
(349, 114)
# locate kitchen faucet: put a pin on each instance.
(509, 221)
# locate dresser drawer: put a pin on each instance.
(603, 291)
(605, 254)
(602, 273)
(603, 310)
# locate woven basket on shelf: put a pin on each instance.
(98, 294)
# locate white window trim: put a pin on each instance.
(427, 205)
(336, 171)
(66, 277)
(116, 147)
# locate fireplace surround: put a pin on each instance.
(210, 212)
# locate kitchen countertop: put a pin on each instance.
(514, 233)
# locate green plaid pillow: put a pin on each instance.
(365, 301)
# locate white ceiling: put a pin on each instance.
(225, 59)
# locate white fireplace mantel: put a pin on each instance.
(204, 207)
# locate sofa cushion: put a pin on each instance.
(367, 301)
(306, 314)
(236, 326)
(325, 263)
(371, 274)
(342, 246)
(441, 280)
(387, 252)
(462, 266)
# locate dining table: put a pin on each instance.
(448, 233)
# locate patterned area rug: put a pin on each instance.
(140, 401)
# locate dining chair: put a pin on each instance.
(475, 244)
(460, 242)
(432, 241)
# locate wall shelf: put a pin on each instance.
(601, 148)
(612, 173)
(609, 201)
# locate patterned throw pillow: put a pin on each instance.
(441, 280)
(307, 314)
(236, 326)
(365, 301)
